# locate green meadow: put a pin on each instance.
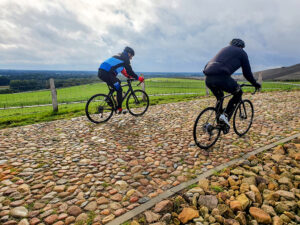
(160, 90)
(84, 92)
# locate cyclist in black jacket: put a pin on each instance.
(218, 73)
(110, 68)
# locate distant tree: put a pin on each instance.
(6, 91)
(24, 85)
(4, 81)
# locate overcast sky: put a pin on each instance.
(167, 35)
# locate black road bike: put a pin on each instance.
(100, 107)
(208, 127)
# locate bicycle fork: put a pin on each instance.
(135, 98)
(242, 110)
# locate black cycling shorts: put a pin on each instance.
(107, 77)
(219, 83)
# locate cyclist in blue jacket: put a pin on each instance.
(110, 68)
(218, 73)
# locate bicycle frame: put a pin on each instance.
(220, 102)
(112, 90)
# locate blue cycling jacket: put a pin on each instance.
(116, 64)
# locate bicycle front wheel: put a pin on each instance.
(243, 117)
(206, 130)
(137, 102)
(99, 108)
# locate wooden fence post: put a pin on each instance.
(260, 78)
(54, 95)
(143, 88)
(207, 89)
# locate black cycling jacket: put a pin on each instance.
(227, 61)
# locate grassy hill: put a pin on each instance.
(281, 74)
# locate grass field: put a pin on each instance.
(156, 86)
(84, 92)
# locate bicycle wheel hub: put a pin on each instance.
(243, 117)
(100, 109)
(208, 128)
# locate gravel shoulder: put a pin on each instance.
(263, 189)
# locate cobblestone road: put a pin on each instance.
(71, 170)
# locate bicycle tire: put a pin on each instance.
(242, 109)
(93, 108)
(136, 98)
(207, 128)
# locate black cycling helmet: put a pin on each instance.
(129, 50)
(238, 43)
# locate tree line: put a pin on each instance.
(20, 85)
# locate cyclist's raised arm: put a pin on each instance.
(124, 72)
(247, 69)
(131, 73)
(129, 70)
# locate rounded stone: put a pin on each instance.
(20, 211)
(74, 210)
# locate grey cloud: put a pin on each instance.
(167, 35)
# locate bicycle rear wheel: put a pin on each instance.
(137, 102)
(243, 117)
(99, 108)
(206, 130)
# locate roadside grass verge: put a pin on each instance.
(25, 116)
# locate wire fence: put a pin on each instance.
(26, 103)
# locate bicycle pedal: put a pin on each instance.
(226, 129)
(123, 112)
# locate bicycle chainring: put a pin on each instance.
(208, 128)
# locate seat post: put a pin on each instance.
(219, 106)
(111, 90)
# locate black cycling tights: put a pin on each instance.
(110, 79)
(220, 83)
